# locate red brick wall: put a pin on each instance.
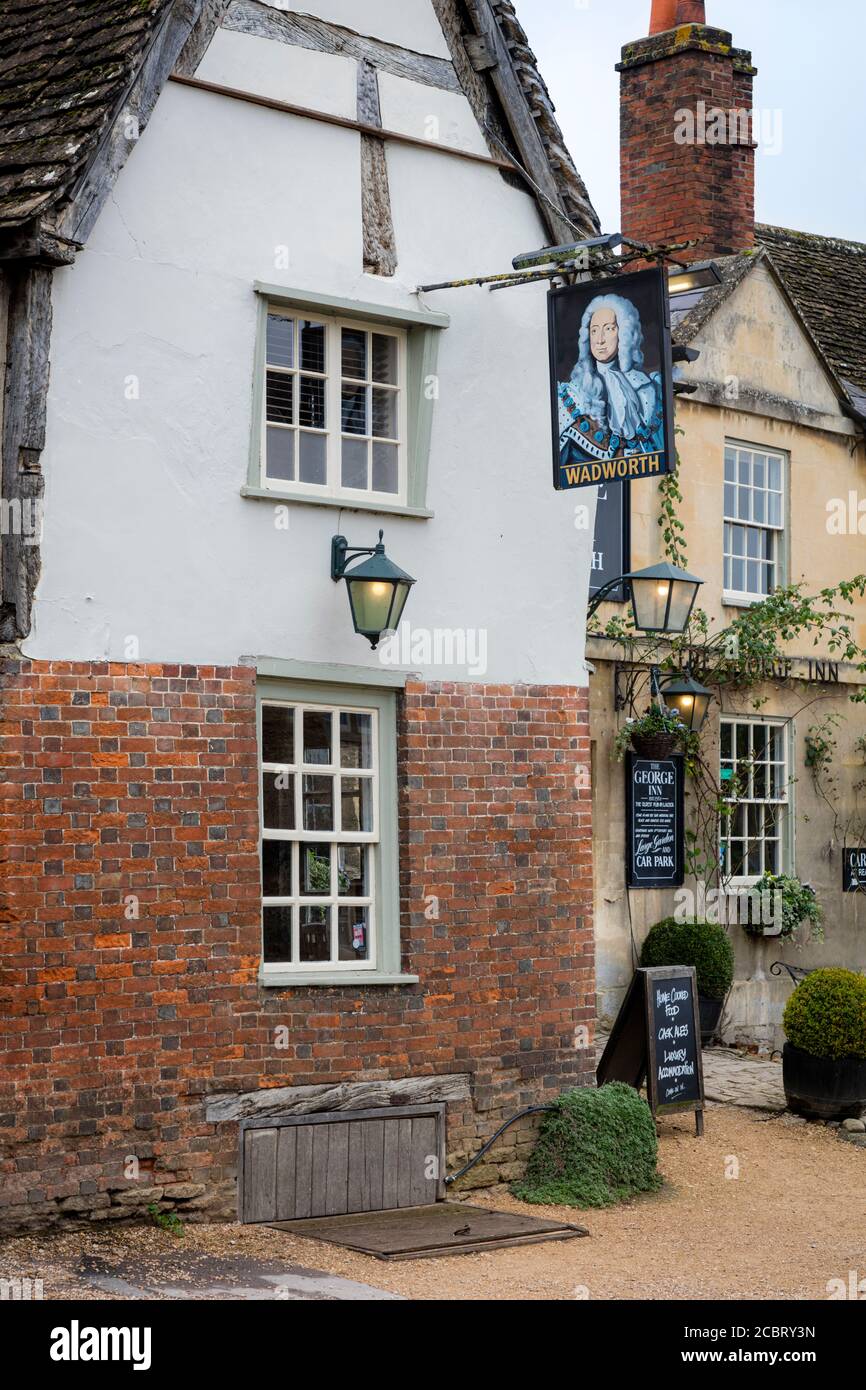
(674, 192)
(141, 780)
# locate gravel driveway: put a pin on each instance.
(758, 1208)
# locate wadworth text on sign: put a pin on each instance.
(611, 380)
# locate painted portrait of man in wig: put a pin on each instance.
(610, 407)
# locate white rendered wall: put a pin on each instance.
(146, 534)
(409, 23)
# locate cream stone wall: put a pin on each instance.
(754, 351)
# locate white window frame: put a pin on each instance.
(783, 801)
(333, 901)
(333, 487)
(745, 596)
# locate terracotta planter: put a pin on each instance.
(822, 1088)
(654, 745)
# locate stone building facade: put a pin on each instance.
(776, 408)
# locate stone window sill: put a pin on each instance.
(354, 980)
(269, 494)
(730, 600)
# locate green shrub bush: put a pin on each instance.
(595, 1147)
(705, 945)
(826, 1014)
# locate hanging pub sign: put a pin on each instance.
(611, 380)
(611, 542)
(854, 870)
(657, 1038)
(654, 803)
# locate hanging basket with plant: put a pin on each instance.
(782, 907)
(657, 734)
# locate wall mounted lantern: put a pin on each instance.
(378, 589)
(662, 597)
(689, 698)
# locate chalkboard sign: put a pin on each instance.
(657, 1038)
(854, 870)
(654, 792)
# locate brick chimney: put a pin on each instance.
(687, 158)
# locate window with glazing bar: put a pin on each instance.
(753, 522)
(754, 779)
(320, 835)
(334, 407)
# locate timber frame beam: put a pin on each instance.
(305, 31)
(364, 127)
(28, 336)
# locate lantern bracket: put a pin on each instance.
(601, 594)
(656, 688)
(342, 553)
(630, 678)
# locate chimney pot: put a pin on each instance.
(670, 14)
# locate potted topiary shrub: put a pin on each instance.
(706, 946)
(824, 1059)
(655, 735)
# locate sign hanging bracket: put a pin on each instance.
(575, 261)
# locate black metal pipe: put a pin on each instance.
(530, 1110)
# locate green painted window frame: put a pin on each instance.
(387, 854)
(422, 330)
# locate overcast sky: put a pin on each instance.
(810, 91)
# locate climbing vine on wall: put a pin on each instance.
(821, 744)
(738, 658)
(672, 529)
